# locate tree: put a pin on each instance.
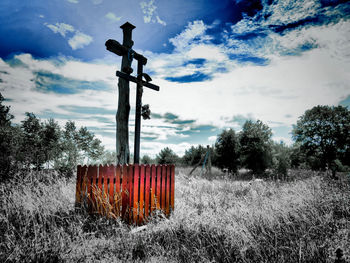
(193, 155)
(324, 135)
(281, 158)
(147, 159)
(5, 116)
(108, 157)
(32, 146)
(227, 151)
(10, 141)
(77, 146)
(255, 141)
(51, 135)
(167, 156)
(297, 157)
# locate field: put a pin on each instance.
(216, 219)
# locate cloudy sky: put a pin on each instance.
(218, 63)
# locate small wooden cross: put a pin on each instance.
(128, 54)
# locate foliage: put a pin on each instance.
(77, 145)
(10, 138)
(108, 157)
(255, 141)
(146, 159)
(5, 116)
(227, 151)
(281, 158)
(32, 146)
(34, 143)
(167, 156)
(324, 135)
(297, 157)
(193, 155)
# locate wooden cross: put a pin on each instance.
(128, 54)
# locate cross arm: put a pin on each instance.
(115, 47)
(134, 79)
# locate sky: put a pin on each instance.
(218, 64)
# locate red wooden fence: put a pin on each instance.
(131, 192)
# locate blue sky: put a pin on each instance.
(218, 63)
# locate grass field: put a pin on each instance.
(215, 220)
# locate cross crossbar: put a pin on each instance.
(134, 79)
(115, 47)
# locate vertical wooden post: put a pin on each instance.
(209, 160)
(138, 114)
(122, 117)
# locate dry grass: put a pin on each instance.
(216, 220)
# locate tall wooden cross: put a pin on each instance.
(122, 117)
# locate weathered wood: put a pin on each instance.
(147, 191)
(144, 188)
(122, 117)
(134, 79)
(172, 194)
(162, 203)
(118, 49)
(142, 194)
(139, 91)
(167, 197)
(136, 192)
(153, 187)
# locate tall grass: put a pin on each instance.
(216, 220)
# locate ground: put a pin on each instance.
(216, 219)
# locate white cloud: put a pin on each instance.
(196, 29)
(112, 17)
(73, 1)
(212, 139)
(79, 40)
(149, 9)
(61, 28)
(279, 91)
(289, 11)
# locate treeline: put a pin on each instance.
(322, 141)
(34, 144)
(321, 135)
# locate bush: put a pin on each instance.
(227, 151)
(193, 155)
(167, 156)
(256, 151)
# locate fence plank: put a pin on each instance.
(153, 187)
(105, 182)
(131, 192)
(110, 174)
(125, 193)
(118, 187)
(78, 186)
(147, 191)
(162, 203)
(102, 190)
(167, 193)
(159, 186)
(142, 194)
(136, 193)
(84, 183)
(91, 175)
(172, 194)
